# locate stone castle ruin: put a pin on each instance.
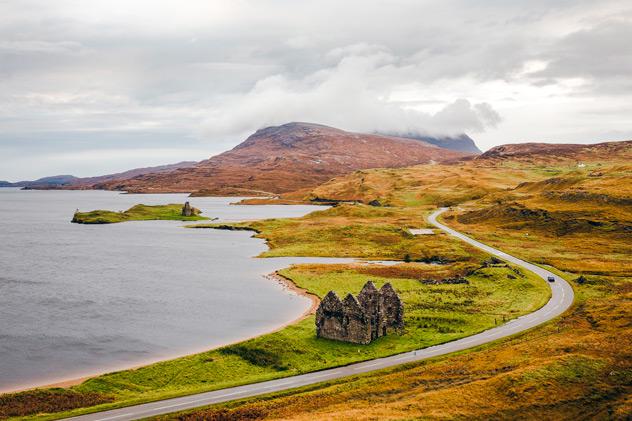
(373, 314)
(188, 210)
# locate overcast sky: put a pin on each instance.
(90, 87)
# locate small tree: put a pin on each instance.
(407, 258)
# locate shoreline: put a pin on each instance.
(100, 370)
(290, 285)
(285, 282)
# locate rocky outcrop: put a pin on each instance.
(373, 314)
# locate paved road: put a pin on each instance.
(561, 299)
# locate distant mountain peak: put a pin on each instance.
(288, 134)
(461, 142)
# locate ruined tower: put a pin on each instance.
(187, 210)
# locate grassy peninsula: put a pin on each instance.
(171, 212)
(377, 233)
(433, 314)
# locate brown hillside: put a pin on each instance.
(503, 167)
(549, 152)
(286, 158)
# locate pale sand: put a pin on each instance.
(275, 276)
(288, 283)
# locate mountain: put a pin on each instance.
(556, 152)
(286, 158)
(461, 142)
(72, 182)
(47, 182)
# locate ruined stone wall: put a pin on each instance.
(374, 314)
(330, 318)
(369, 299)
(356, 324)
(393, 309)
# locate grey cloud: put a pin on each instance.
(348, 95)
(599, 55)
(464, 116)
(116, 73)
(601, 51)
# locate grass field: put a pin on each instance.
(433, 314)
(357, 231)
(172, 212)
(577, 367)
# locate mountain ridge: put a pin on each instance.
(71, 182)
(288, 157)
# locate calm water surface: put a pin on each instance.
(83, 299)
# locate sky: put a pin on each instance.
(90, 87)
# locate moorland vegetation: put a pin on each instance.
(570, 213)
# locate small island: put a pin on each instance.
(171, 212)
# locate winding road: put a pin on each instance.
(561, 299)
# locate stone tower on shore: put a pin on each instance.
(188, 210)
(373, 314)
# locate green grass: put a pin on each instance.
(171, 212)
(355, 231)
(433, 314)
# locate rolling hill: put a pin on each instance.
(498, 169)
(544, 153)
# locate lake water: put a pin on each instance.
(78, 299)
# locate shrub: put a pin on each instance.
(224, 415)
(255, 356)
(47, 401)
